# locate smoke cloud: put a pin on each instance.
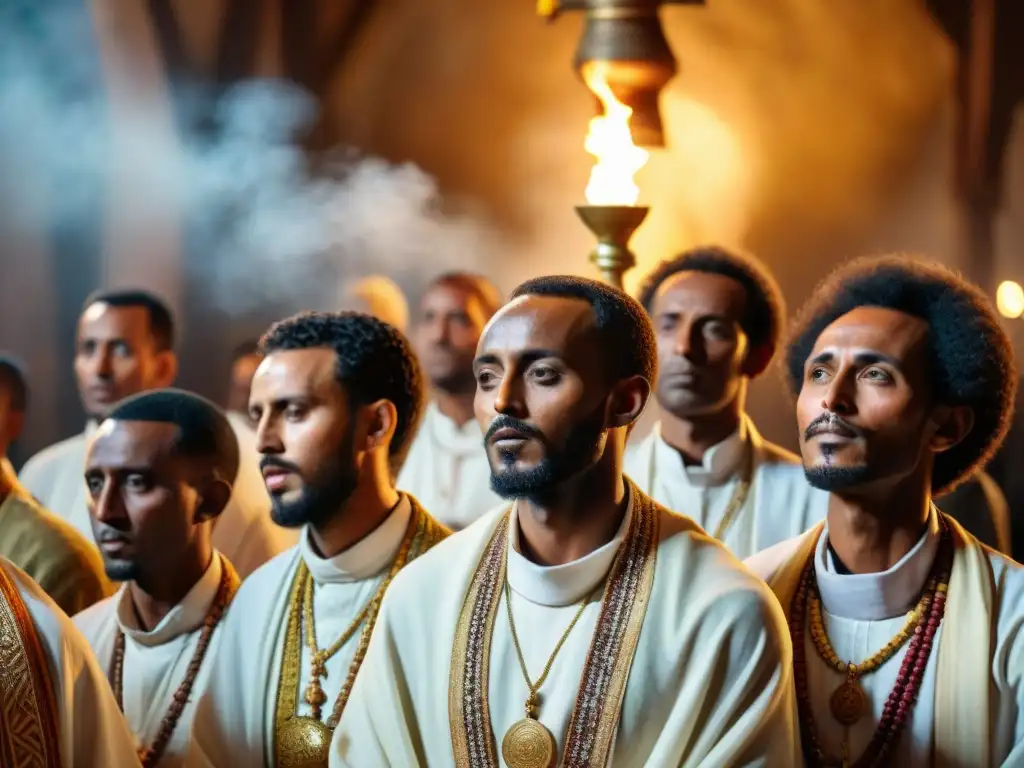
(262, 221)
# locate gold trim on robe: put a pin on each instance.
(595, 717)
(422, 533)
(29, 732)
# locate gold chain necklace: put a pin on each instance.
(306, 741)
(528, 744)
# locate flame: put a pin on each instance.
(609, 140)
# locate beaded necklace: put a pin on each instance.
(150, 756)
(849, 699)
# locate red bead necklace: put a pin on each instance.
(908, 682)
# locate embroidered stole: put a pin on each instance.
(591, 732)
(29, 732)
(422, 534)
(963, 681)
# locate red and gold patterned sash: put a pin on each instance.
(29, 734)
(595, 717)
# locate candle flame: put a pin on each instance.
(609, 140)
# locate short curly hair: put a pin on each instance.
(970, 356)
(374, 361)
(622, 324)
(204, 432)
(765, 312)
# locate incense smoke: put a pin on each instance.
(259, 222)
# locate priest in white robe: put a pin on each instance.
(125, 345)
(582, 624)
(907, 632)
(56, 709)
(157, 637)
(717, 318)
(447, 468)
(337, 400)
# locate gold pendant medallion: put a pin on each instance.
(303, 743)
(528, 744)
(849, 703)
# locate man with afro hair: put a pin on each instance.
(717, 319)
(336, 402)
(906, 630)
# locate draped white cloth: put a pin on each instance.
(447, 470)
(709, 683)
(156, 662)
(863, 612)
(92, 730)
(779, 505)
(244, 531)
(234, 723)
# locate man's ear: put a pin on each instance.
(166, 369)
(952, 424)
(757, 360)
(213, 499)
(627, 401)
(381, 419)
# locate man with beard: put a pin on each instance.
(447, 465)
(717, 319)
(582, 624)
(125, 346)
(159, 471)
(336, 400)
(907, 632)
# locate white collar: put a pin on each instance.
(364, 559)
(877, 596)
(560, 585)
(184, 618)
(720, 462)
(466, 440)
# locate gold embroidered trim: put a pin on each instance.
(468, 712)
(422, 533)
(29, 734)
(595, 716)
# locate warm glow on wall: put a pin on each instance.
(1010, 299)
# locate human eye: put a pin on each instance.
(295, 412)
(545, 375)
(877, 375)
(817, 374)
(486, 379)
(137, 482)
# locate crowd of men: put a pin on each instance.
(461, 548)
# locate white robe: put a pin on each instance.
(234, 723)
(863, 612)
(779, 505)
(447, 470)
(710, 683)
(244, 531)
(92, 730)
(156, 662)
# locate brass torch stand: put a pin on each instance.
(613, 226)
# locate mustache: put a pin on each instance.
(274, 461)
(510, 422)
(834, 424)
(678, 365)
(105, 534)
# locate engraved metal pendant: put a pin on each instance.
(528, 744)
